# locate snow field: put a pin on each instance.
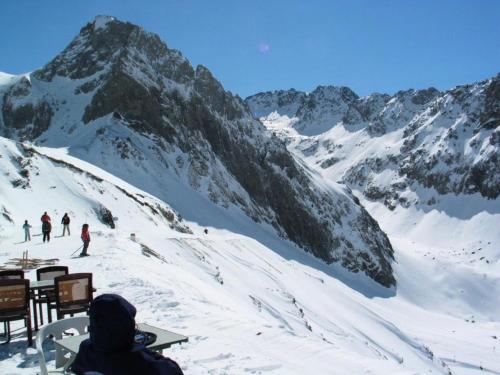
(255, 305)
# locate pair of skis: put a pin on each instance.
(74, 252)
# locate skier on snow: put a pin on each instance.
(26, 227)
(86, 240)
(65, 222)
(46, 228)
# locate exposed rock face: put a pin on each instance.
(118, 90)
(26, 118)
(396, 149)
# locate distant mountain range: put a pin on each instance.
(414, 148)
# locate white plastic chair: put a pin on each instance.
(56, 330)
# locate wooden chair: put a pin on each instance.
(10, 275)
(15, 304)
(47, 295)
(74, 293)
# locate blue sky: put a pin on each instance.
(253, 46)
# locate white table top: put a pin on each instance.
(41, 284)
(164, 339)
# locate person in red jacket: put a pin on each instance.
(45, 217)
(46, 226)
(86, 240)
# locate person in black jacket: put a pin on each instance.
(46, 228)
(65, 222)
(111, 350)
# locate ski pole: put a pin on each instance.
(76, 250)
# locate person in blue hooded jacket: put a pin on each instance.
(111, 350)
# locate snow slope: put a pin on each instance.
(252, 305)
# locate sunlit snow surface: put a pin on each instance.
(259, 305)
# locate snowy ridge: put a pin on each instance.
(249, 304)
(7, 79)
(23, 173)
(101, 21)
(408, 149)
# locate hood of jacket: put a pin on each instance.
(112, 323)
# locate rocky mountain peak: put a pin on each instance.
(418, 97)
(284, 102)
(333, 93)
(102, 21)
(107, 43)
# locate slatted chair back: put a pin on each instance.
(14, 295)
(15, 304)
(12, 275)
(51, 272)
(73, 293)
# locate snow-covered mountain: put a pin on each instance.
(250, 304)
(414, 148)
(119, 98)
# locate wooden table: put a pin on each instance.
(164, 339)
(35, 286)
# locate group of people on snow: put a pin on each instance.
(47, 228)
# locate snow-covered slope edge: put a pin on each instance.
(119, 98)
(28, 173)
(246, 307)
